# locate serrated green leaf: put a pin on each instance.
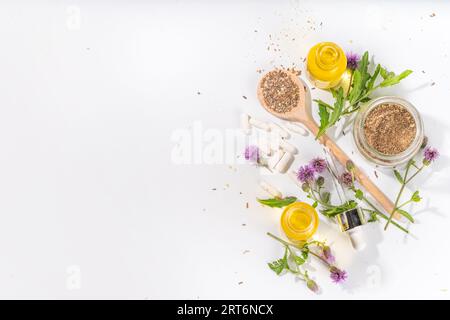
(374, 77)
(277, 203)
(373, 217)
(279, 265)
(338, 106)
(362, 67)
(355, 90)
(359, 194)
(386, 74)
(398, 176)
(405, 214)
(390, 81)
(324, 117)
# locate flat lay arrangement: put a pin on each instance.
(388, 131)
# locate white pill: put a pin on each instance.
(297, 127)
(286, 146)
(259, 124)
(245, 123)
(270, 189)
(273, 160)
(285, 162)
(279, 130)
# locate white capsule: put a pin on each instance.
(286, 146)
(259, 124)
(297, 127)
(279, 130)
(273, 160)
(270, 189)
(285, 163)
(245, 124)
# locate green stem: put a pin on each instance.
(382, 215)
(403, 204)
(315, 198)
(286, 243)
(321, 258)
(405, 181)
(415, 174)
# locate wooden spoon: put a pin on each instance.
(302, 113)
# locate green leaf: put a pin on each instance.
(373, 217)
(359, 194)
(324, 117)
(299, 261)
(398, 176)
(279, 265)
(362, 67)
(393, 80)
(314, 205)
(416, 197)
(338, 106)
(374, 77)
(333, 211)
(405, 214)
(386, 74)
(277, 203)
(356, 89)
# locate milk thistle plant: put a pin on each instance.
(363, 84)
(296, 255)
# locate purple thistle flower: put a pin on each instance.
(346, 179)
(337, 275)
(352, 60)
(251, 154)
(319, 165)
(327, 255)
(430, 154)
(306, 174)
(312, 285)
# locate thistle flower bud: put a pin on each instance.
(312, 285)
(350, 165)
(306, 187)
(320, 181)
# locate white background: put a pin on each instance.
(92, 204)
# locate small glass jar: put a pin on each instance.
(299, 221)
(373, 155)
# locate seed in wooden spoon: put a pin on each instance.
(281, 94)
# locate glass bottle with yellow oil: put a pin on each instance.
(299, 221)
(326, 65)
